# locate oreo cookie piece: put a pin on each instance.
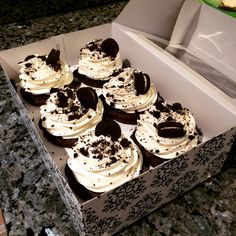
(141, 83)
(53, 58)
(108, 127)
(171, 129)
(54, 90)
(176, 107)
(62, 100)
(88, 97)
(110, 47)
(29, 57)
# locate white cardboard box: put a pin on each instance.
(215, 113)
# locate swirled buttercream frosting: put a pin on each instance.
(38, 74)
(69, 112)
(102, 162)
(167, 130)
(99, 59)
(130, 90)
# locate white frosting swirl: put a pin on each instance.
(120, 92)
(38, 78)
(70, 121)
(101, 164)
(95, 64)
(164, 147)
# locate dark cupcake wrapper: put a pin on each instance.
(119, 115)
(78, 188)
(88, 81)
(149, 158)
(57, 140)
(36, 100)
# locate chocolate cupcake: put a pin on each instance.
(98, 60)
(68, 113)
(38, 74)
(166, 131)
(103, 159)
(128, 94)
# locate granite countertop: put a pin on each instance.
(29, 199)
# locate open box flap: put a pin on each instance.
(204, 39)
(197, 34)
(214, 40)
(154, 17)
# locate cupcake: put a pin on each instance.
(68, 113)
(165, 131)
(38, 74)
(98, 60)
(128, 93)
(103, 160)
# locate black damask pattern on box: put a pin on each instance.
(124, 195)
(183, 184)
(90, 215)
(97, 226)
(209, 150)
(144, 206)
(169, 171)
(215, 165)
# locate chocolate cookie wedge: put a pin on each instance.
(110, 47)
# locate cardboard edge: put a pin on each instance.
(152, 11)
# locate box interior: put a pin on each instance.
(176, 82)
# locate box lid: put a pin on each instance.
(156, 17)
(206, 35)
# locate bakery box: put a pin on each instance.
(142, 41)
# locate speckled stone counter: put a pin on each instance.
(30, 201)
(11, 11)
